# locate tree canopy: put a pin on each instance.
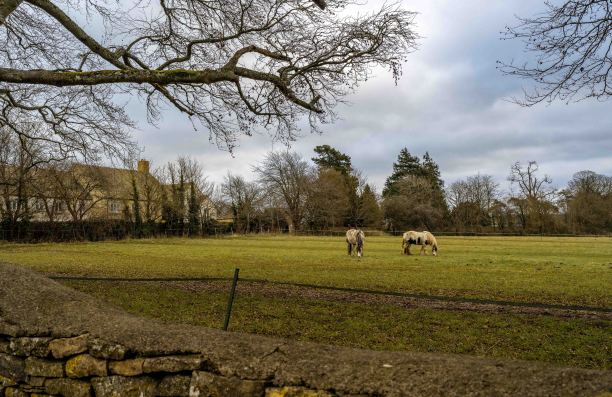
(234, 67)
(329, 157)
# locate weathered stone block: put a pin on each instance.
(67, 347)
(68, 387)
(8, 329)
(45, 368)
(131, 367)
(295, 392)
(174, 385)
(119, 386)
(4, 345)
(14, 392)
(12, 367)
(207, 384)
(38, 347)
(107, 350)
(4, 383)
(35, 380)
(31, 389)
(84, 365)
(172, 364)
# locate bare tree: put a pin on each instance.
(529, 183)
(287, 176)
(472, 200)
(236, 67)
(534, 199)
(179, 177)
(245, 199)
(572, 43)
(79, 187)
(19, 159)
(588, 202)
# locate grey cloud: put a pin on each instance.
(451, 102)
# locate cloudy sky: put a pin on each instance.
(451, 102)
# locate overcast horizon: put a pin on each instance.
(451, 102)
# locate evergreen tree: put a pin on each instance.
(406, 164)
(167, 211)
(329, 157)
(194, 211)
(179, 200)
(421, 188)
(371, 215)
(431, 170)
(136, 209)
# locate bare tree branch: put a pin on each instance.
(572, 44)
(235, 67)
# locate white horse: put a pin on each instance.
(355, 238)
(420, 238)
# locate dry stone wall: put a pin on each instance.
(55, 341)
(84, 366)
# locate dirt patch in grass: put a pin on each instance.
(276, 291)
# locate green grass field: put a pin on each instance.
(568, 271)
(549, 270)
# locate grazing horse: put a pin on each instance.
(421, 238)
(355, 238)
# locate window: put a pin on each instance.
(13, 205)
(114, 207)
(39, 205)
(59, 206)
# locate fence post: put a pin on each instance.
(230, 301)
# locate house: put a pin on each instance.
(79, 192)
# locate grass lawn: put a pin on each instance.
(570, 342)
(569, 271)
(574, 271)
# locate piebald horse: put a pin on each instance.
(420, 238)
(355, 238)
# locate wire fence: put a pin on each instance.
(45, 234)
(401, 294)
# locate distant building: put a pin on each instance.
(82, 192)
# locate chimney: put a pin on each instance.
(143, 166)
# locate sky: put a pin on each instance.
(451, 102)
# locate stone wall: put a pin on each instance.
(57, 341)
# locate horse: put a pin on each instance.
(421, 238)
(355, 238)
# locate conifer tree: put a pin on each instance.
(369, 209)
(406, 164)
(194, 211)
(329, 157)
(136, 209)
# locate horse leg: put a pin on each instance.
(408, 249)
(422, 249)
(349, 246)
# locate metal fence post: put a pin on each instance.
(230, 301)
